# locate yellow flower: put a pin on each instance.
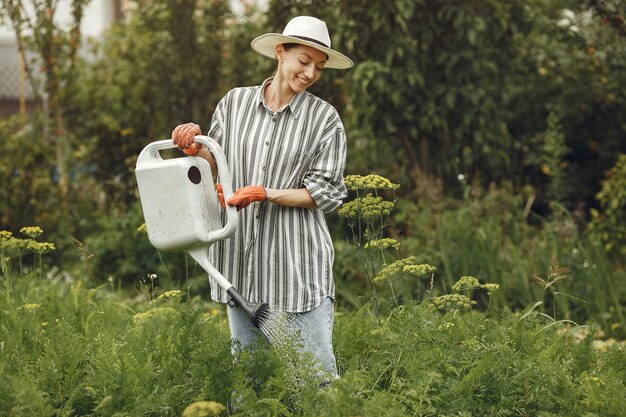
(203, 409)
(29, 307)
(31, 231)
(466, 283)
(142, 228)
(38, 247)
(8, 241)
(452, 302)
(368, 206)
(394, 270)
(445, 326)
(169, 294)
(382, 244)
(490, 287)
(420, 269)
(154, 312)
(5, 235)
(369, 182)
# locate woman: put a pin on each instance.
(286, 149)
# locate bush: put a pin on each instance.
(608, 225)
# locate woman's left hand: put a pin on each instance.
(244, 196)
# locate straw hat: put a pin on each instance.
(304, 30)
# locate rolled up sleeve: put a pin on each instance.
(324, 178)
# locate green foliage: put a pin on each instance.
(121, 252)
(26, 175)
(569, 61)
(495, 237)
(160, 67)
(171, 355)
(439, 114)
(29, 176)
(367, 218)
(608, 225)
(553, 159)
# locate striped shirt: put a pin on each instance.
(280, 255)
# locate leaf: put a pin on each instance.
(531, 310)
(451, 99)
(571, 296)
(471, 36)
(556, 322)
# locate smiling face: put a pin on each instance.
(300, 66)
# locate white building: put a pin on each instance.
(98, 15)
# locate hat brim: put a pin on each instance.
(266, 46)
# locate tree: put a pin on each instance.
(161, 66)
(55, 50)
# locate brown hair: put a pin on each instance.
(286, 47)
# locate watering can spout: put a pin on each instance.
(256, 311)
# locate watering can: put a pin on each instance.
(181, 209)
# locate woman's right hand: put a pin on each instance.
(183, 136)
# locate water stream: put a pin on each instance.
(282, 328)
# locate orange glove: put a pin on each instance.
(246, 195)
(183, 136)
(220, 195)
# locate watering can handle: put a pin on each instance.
(151, 153)
(227, 187)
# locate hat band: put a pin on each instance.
(304, 38)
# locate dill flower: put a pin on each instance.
(368, 206)
(394, 269)
(155, 312)
(420, 269)
(382, 244)
(466, 283)
(445, 326)
(38, 247)
(490, 287)
(29, 307)
(8, 241)
(472, 343)
(170, 295)
(31, 231)
(452, 302)
(203, 409)
(369, 182)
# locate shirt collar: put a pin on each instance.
(294, 105)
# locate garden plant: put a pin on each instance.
(479, 259)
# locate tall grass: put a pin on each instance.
(496, 238)
(71, 348)
(92, 352)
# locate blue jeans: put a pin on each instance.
(315, 328)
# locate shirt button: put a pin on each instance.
(264, 168)
(267, 143)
